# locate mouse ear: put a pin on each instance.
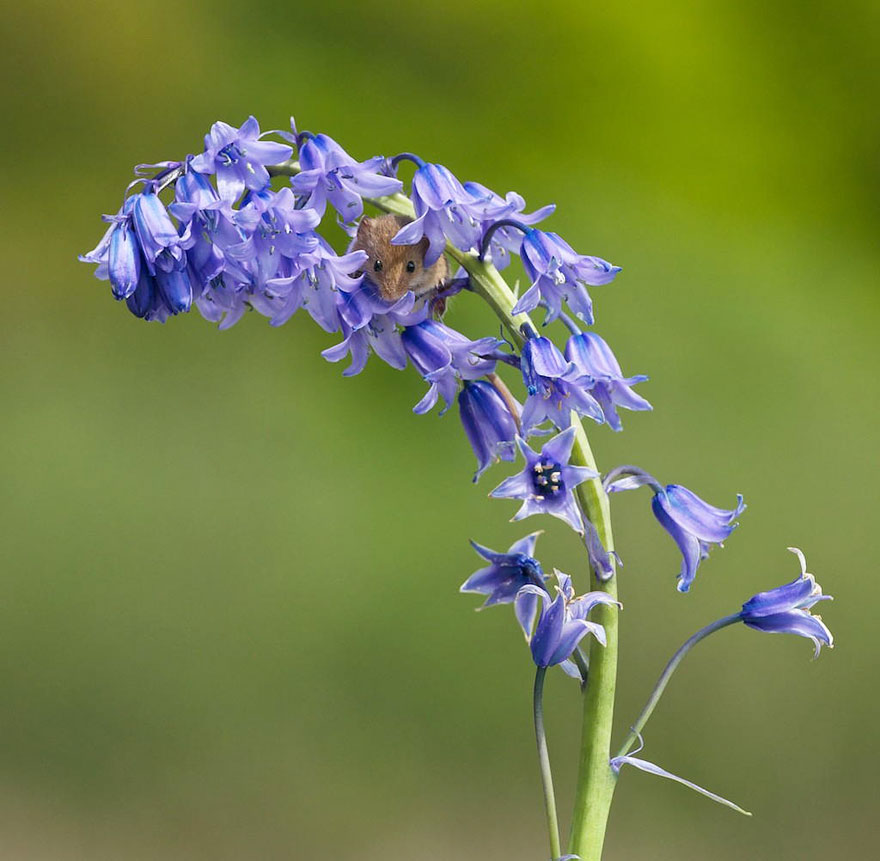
(363, 227)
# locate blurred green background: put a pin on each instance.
(230, 626)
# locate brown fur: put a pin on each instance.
(374, 236)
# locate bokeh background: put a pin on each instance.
(229, 624)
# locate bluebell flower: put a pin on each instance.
(594, 360)
(786, 609)
(507, 572)
(160, 296)
(693, 524)
(443, 357)
(161, 244)
(561, 622)
(238, 157)
(444, 210)
(547, 482)
(319, 277)
(488, 423)
(118, 254)
(329, 173)
(489, 207)
(209, 225)
(143, 255)
(554, 387)
(279, 236)
(559, 274)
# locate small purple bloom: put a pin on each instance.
(444, 210)
(561, 622)
(443, 357)
(786, 609)
(559, 274)
(507, 573)
(279, 236)
(489, 207)
(593, 358)
(693, 524)
(547, 482)
(329, 173)
(488, 423)
(160, 296)
(160, 242)
(321, 277)
(554, 388)
(238, 157)
(118, 254)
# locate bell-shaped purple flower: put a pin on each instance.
(594, 360)
(279, 236)
(561, 622)
(488, 423)
(554, 387)
(160, 242)
(330, 174)
(489, 207)
(443, 357)
(507, 572)
(786, 609)
(547, 482)
(559, 274)
(320, 277)
(444, 210)
(693, 524)
(118, 254)
(238, 157)
(160, 296)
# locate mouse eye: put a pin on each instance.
(411, 266)
(377, 266)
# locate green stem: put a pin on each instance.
(544, 760)
(596, 781)
(666, 675)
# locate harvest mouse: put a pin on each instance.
(394, 269)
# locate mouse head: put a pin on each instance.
(394, 269)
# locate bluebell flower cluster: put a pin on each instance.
(553, 626)
(228, 242)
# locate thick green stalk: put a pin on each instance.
(596, 781)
